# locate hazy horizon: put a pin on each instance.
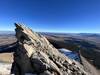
(5, 31)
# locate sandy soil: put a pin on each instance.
(6, 57)
(6, 60)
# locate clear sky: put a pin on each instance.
(74, 16)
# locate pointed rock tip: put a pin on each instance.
(19, 26)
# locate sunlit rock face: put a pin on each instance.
(35, 55)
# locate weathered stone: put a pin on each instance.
(36, 55)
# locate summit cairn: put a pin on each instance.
(35, 55)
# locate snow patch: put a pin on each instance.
(70, 54)
(5, 68)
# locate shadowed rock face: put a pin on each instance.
(36, 55)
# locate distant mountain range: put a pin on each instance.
(88, 43)
(63, 34)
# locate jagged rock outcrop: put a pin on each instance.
(36, 55)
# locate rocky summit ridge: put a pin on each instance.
(35, 55)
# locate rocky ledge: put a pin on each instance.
(37, 56)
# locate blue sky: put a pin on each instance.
(66, 16)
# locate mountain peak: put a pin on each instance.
(36, 55)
